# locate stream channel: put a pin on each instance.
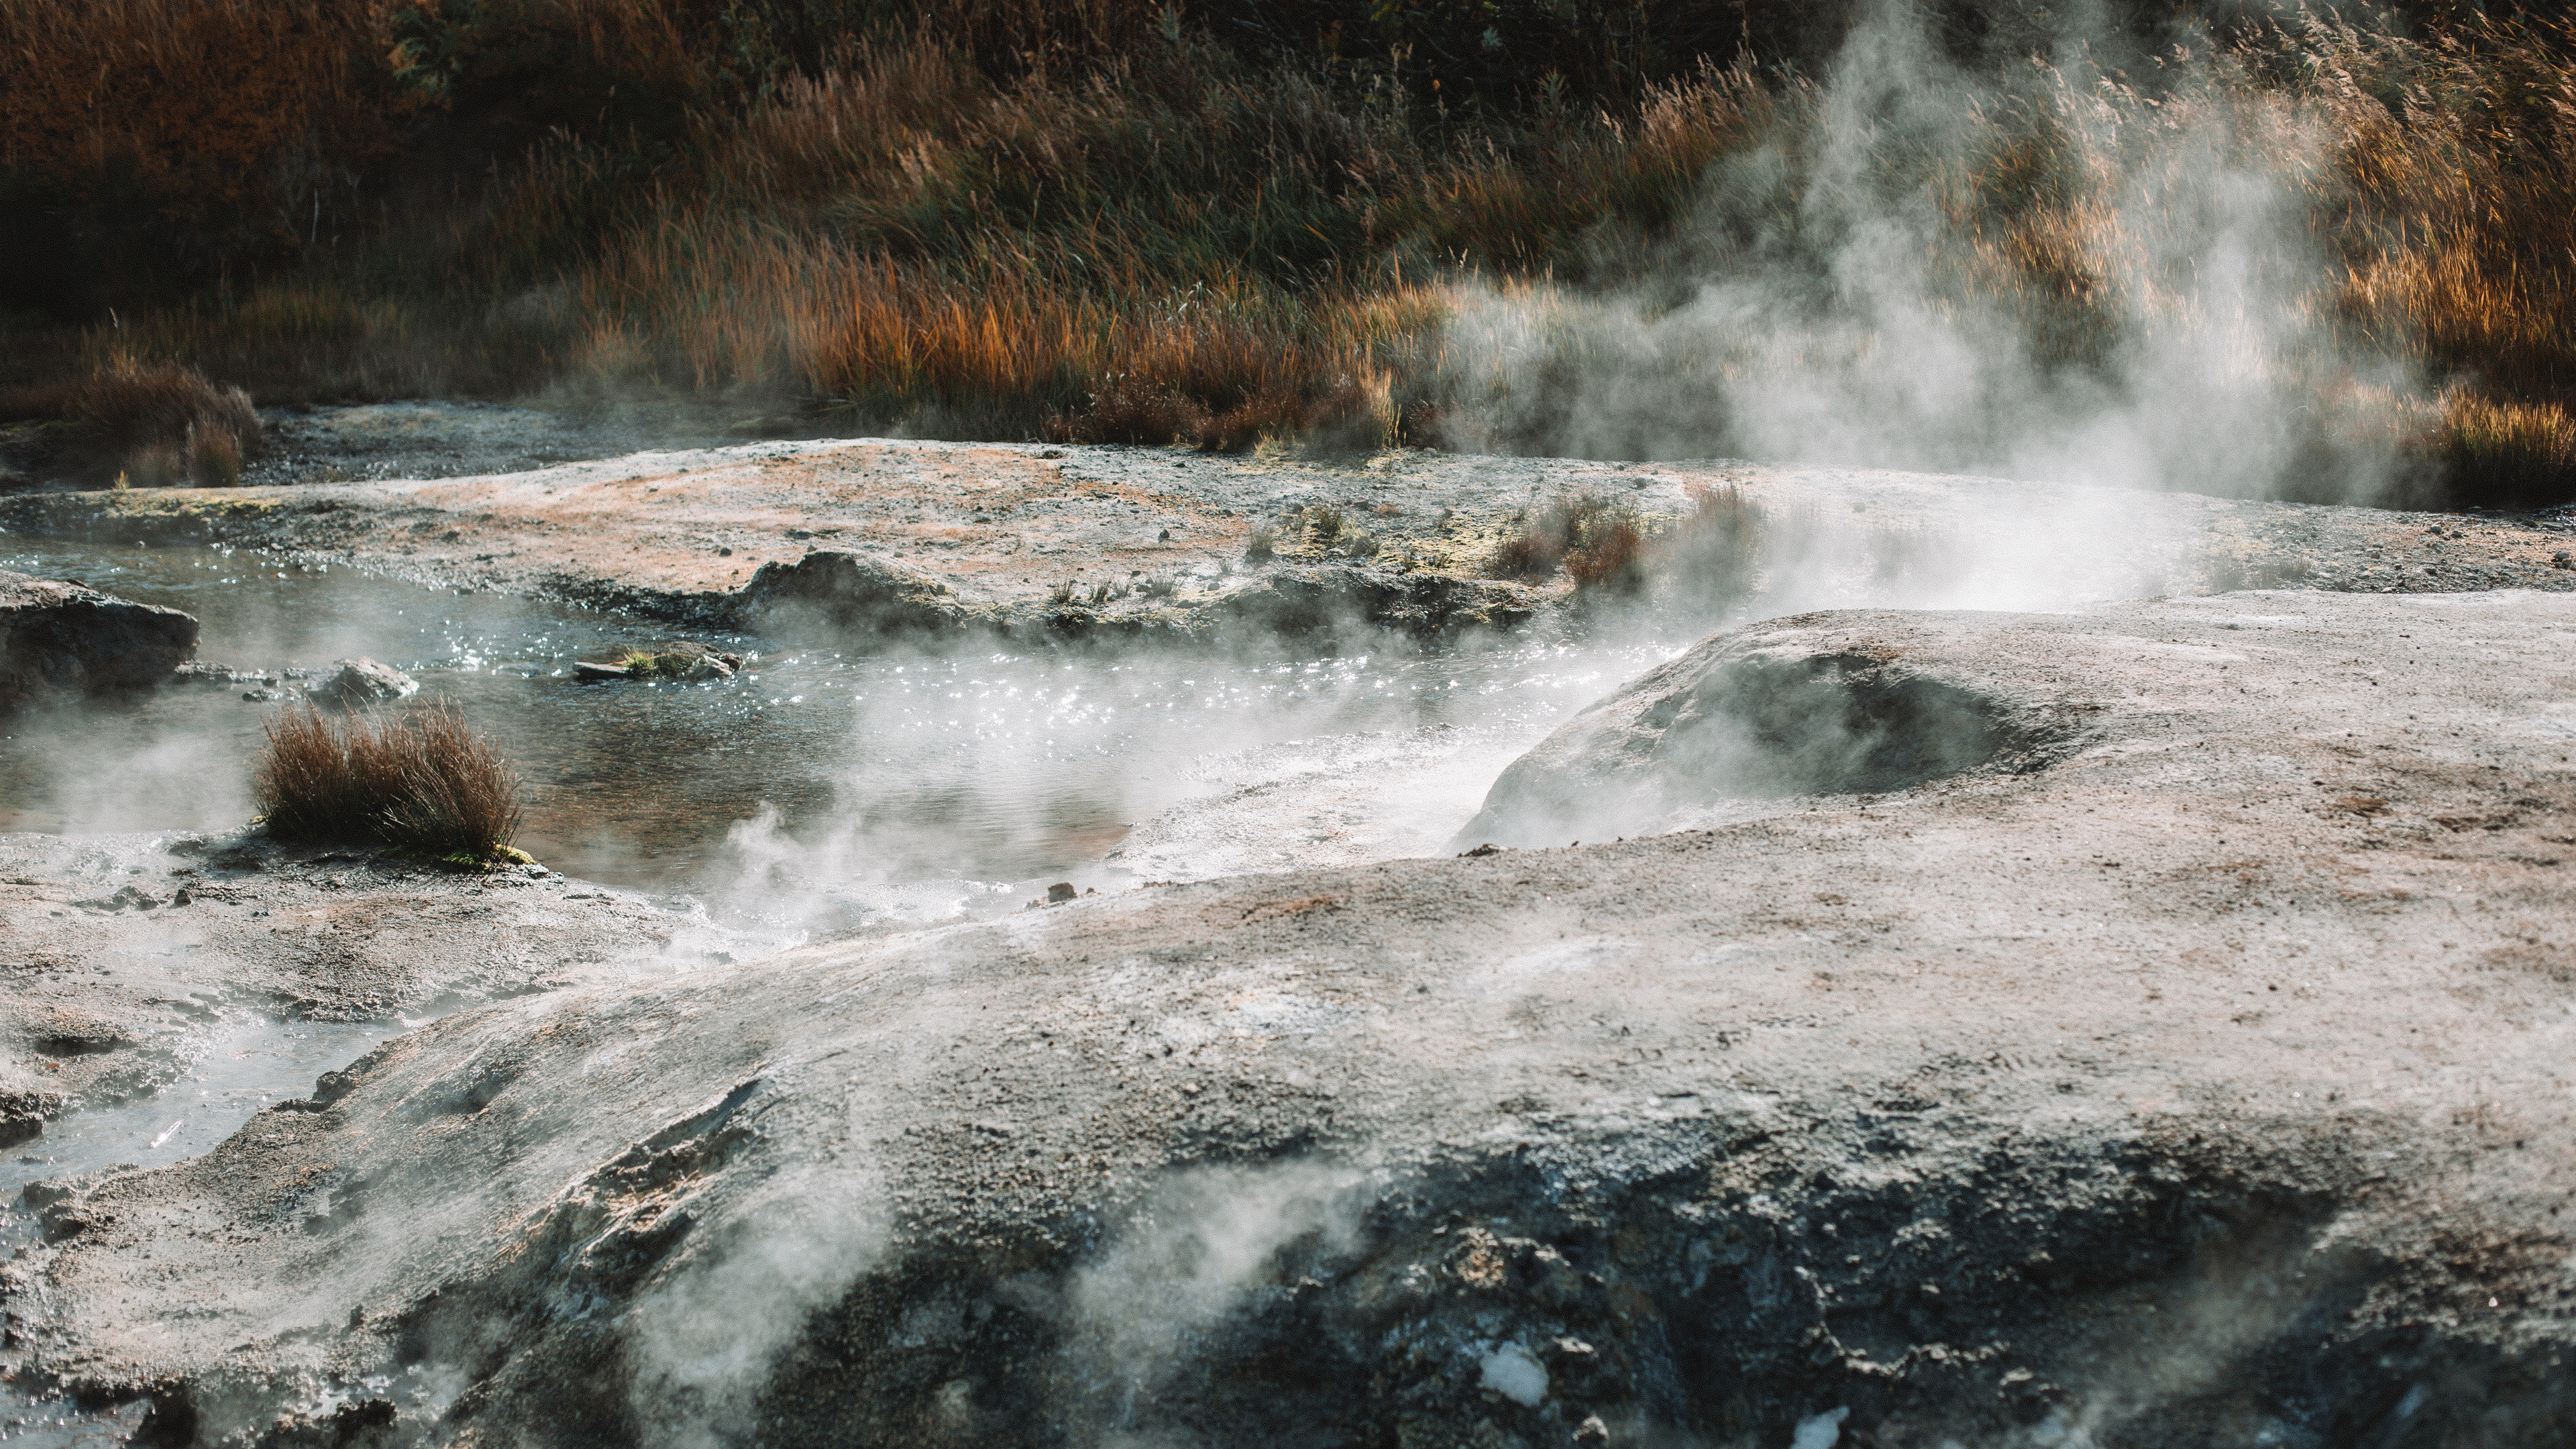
(819, 792)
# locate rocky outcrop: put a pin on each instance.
(127, 956)
(1838, 704)
(61, 639)
(846, 591)
(2206, 1086)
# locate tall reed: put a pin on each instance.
(1073, 218)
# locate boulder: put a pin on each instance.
(2209, 1076)
(363, 681)
(61, 639)
(858, 593)
(1847, 704)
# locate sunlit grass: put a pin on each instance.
(1131, 234)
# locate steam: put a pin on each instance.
(1838, 295)
(707, 1339)
(1195, 1253)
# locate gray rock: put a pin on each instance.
(97, 1007)
(1847, 704)
(61, 639)
(363, 681)
(2212, 1073)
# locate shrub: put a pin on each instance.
(1715, 545)
(1130, 409)
(683, 660)
(653, 664)
(1598, 540)
(425, 783)
(1531, 551)
(162, 419)
(214, 457)
(1610, 556)
(154, 465)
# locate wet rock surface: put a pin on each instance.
(895, 537)
(2205, 1083)
(123, 955)
(59, 639)
(1822, 705)
(363, 681)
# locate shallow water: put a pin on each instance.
(247, 1067)
(820, 790)
(822, 786)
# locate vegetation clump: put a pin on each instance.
(1598, 541)
(421, 782)
(1107, 222)
(675, 661)
(1604, 545)
(158, 422)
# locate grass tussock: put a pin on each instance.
(686, 661)
(157, 422)
(1604, 545)
(1095, 222)
(421, 782)
(1599, 541)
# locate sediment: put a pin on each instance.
(1040, 543)
(2190, 1068)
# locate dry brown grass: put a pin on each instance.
(424, 782)
(154, 465)
(1605, 546)
(2459, 231)
(1712, 550)
(1600, 542)
(156, 421)
(1055, 217)
(214, 456)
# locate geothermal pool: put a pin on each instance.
(821, 790)
(828, 788)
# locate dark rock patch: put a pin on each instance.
(59, 639)
(847, 591)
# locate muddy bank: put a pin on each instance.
(126, 955)
(2206, 1084)
(1051, 542)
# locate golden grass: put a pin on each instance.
(214, 457)
(1061, 218)
(424, 783)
